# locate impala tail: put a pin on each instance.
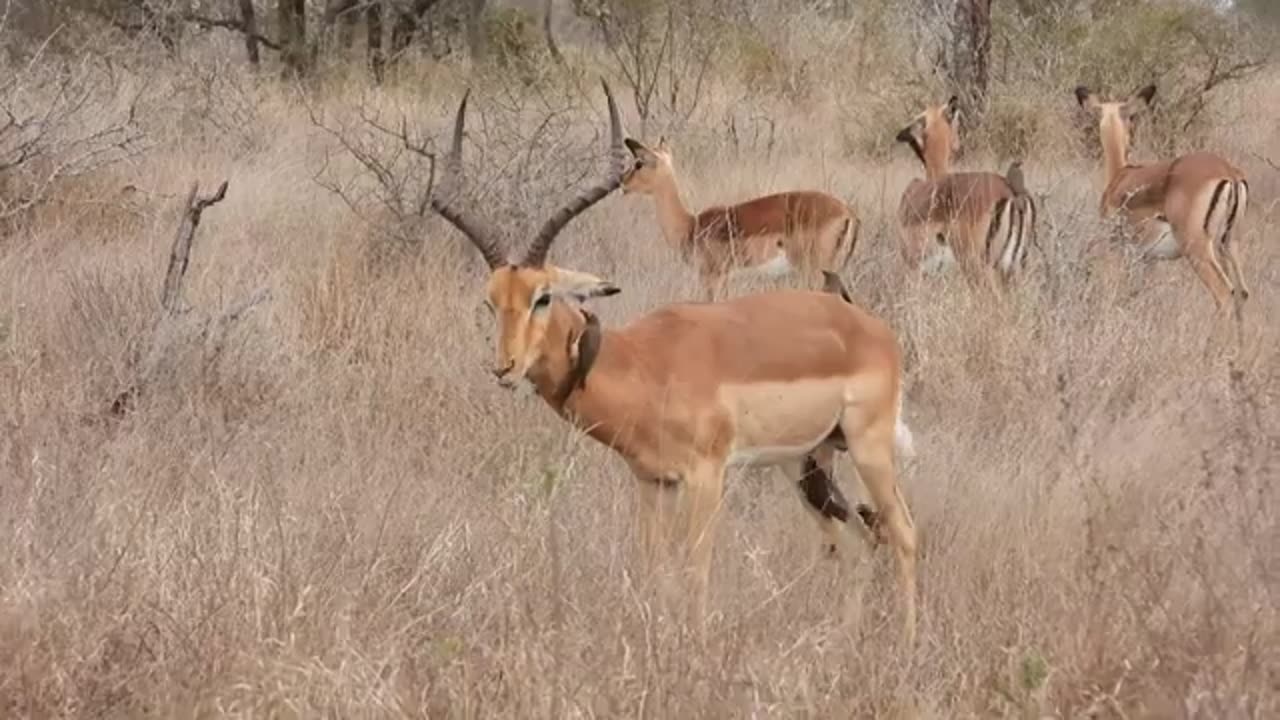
(1229, 201)
(1013, 223)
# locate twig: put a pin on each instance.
(1267, 160)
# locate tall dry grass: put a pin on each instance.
(336, 513)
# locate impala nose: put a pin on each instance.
(504, 375)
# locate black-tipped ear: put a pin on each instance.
(1082, 95)
(952, 109)
(1147, 93)
(607, 290)
(634, 146)
(907, 135)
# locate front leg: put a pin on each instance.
(702, 493)
(655, 511)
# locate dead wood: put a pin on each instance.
(174, 327)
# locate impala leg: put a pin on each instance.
(1200, 255)
(655, 510)
(703, 493)
(813, 477)
(871, 444)
(1231, 263)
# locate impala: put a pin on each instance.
(1181, 208)
(775, 235)
(980, 217)
(782, 378)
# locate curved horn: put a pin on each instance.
(450, 186)
(618, 159)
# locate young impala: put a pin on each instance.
(1181, 208)
(980, 217)
(805, 231)
(689, 390)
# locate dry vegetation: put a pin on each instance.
(333, 511)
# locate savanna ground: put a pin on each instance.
(331, 510)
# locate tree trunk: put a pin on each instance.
(407, 22)
(250, 21)
(548, 31)
(476, 41)
(292, 19)
(377, 59)
(970, 71)
(964, 33)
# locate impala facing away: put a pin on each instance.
(805, 231)
(684, 392)
(1185, 207)
(983, 219)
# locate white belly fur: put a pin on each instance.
(778, 422)
(774, 455)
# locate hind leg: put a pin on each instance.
(1201, 256)
(871, 441)
(1231, 263)
(814, 480)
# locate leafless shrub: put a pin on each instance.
(664, 50)
(60, 118)
(529, 153)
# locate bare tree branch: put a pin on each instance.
(237, 25)
(55, 123)
(180, 254)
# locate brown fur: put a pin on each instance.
(1199, 197)
(974, 214)
(812, 230)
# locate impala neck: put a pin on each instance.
(1115, 152)
(937, 157)
(673, 215)
(593, 404)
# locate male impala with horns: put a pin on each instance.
(688, 390)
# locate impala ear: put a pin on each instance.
(662, 144)
(913, 135)
(580, 286)
(1140, 101)
(952, 110)
(1086, 99)
(641, 151)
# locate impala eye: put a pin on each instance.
(542, 302)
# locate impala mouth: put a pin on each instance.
(506, 378)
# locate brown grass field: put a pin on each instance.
(333, 511)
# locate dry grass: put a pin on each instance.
(338, 514)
